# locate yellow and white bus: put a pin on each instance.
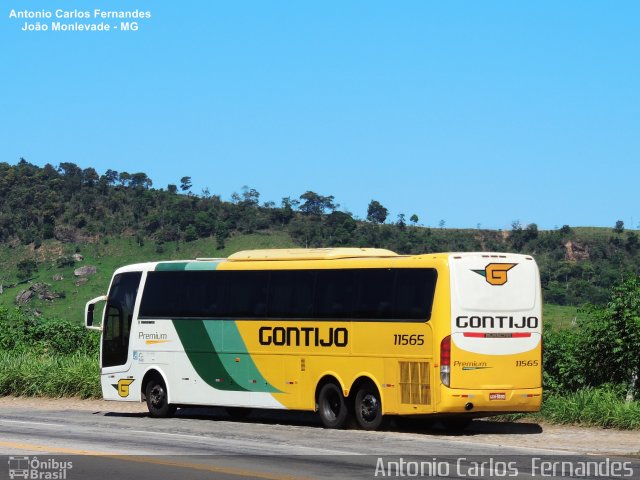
(348, 332)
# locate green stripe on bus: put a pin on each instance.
(202, 265)
(180, 266)
(170, 266)
(221, 371)
(226, 337)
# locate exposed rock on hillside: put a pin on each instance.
(85, 271)
(40, 290)
(24, 297)
(575, 251)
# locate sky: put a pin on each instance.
(475, 113)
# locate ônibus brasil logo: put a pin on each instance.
(496, 273)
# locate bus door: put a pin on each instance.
(116, 325)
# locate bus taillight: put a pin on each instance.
(445, 360)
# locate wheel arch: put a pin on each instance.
(150, 373)
(328, 377)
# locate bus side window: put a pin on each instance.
(375, 295)
(415, 289)
(290, 294)
(334, 294)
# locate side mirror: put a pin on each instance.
(88, 312)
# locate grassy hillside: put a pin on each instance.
(107, 255)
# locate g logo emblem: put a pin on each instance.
(123, 386)
(496, 273)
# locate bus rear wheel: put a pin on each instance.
(368, 408)
(158, 400)
(332, 407)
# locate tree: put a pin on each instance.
(172, 189)
(250, 197)
(619, 228)
(376, 213)
(286, 209)
(531, 232)
(185, 184)
(414, 219)
(190, 233)
(124, 178)
(72, 176)
(517, 236)
(140, 179)
(566, 230)
(26, 268)
(632, 244)
(110, 177)
(90, 177)
(611, 337)
(315, 204)
(401, 221)
(68, 169)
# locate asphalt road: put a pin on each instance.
(200, 443)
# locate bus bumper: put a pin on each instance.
(494, 401)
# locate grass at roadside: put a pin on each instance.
(592, 407)
(30, 375)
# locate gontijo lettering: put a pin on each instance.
(305, 336)
(498, 321)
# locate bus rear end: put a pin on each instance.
(492, 360)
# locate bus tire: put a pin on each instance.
(367, 407)
(332, 407)
(158, 400)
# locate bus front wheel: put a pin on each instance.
(332, 407)
(368, 408)
(157, 399)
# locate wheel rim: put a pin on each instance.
(369, 407)
(157, 396)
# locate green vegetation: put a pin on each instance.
(560, 316)
(602, 349)
(56, 219)
(31, 375)
(597, 407)
(603, 407)
(591, 367)
(107, 255)
(51, 358)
